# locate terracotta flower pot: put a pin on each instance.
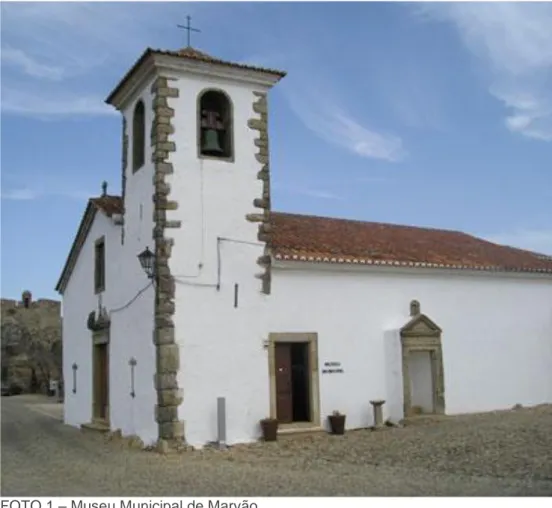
(337, 424)
(270, 429)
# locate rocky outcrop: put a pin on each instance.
(31, 344)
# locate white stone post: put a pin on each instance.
(378, 413)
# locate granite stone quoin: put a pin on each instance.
(169, 396)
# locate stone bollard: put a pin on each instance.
(378, 413)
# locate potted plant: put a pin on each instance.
(337, 423)
(269, 427)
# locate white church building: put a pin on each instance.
(282, 316)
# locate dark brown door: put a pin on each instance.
(101, 371)
(284, 400)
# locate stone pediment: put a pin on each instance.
(420, 325)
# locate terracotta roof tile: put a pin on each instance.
(308, 238)
(194, 54)
(110, 205)
(190, 54)
(323, 239)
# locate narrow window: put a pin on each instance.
(215, 136)
(99, 266)
(138, 137)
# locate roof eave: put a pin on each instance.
(131, 80)
(80, 237)
(169, 64)
(152, 60)
(313, 260)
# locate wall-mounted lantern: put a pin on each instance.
(147, 262)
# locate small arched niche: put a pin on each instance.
(215, 129)
(422, 365)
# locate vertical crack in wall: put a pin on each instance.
(167, 351)
(260, 123)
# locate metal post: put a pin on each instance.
(221, 422)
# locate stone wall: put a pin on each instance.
(30, 342)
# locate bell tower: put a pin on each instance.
(197, 153)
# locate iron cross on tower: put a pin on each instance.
(189, 28)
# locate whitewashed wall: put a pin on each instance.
(497, 333)
(496, 342)
(79, 300)
(217, 340)
(131, 326)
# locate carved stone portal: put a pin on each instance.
(99, 324)
(421, 334)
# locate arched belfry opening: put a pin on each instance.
(138, 136)
(215, 125)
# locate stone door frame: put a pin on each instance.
(314, 384)
(100, 338)
(421, 334)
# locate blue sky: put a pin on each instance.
(426, 114)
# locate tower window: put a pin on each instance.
(138, 136)
(215, 136)
(99, 266)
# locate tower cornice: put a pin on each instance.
(187, 62)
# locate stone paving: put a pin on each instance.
(502, 453)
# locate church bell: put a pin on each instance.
(211, 142)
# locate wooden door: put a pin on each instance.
(284, 399)
(101, 371)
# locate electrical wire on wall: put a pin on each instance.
(197, 284)
(133, 299)
(221, 239)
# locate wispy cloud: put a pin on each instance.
(73, 46)
(539, 241)
(51, 104)
(29, 65)
(514, 40)
(530, 114)
(328, 120)
(320, 100)
(374, 179)
(19, 195)
(310, 193)
(29, 194)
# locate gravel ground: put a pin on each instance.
(503, 453)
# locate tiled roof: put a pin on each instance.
(110, 205)
(194, 54)
(190, 54)
(328, 240)
(321, 239)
